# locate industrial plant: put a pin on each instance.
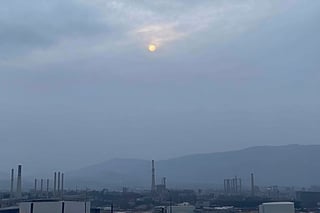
(49, 195)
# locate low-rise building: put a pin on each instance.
(54, 207)
(277, 207)
(308, 199)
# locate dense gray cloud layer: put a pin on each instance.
(26, 26)
(78, 86)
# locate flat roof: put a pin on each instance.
(9, 208)
(54, 201)
(278, 203)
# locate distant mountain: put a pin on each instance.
(292, 165)
(112, 173)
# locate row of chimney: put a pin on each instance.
(58, 181)
(153, 179)
(19, 183)
(234, 185)
(58, 185)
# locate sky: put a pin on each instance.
(78, 85)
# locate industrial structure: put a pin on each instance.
(157, 188)
(252, 185)
(54, 207)
(277, 207)
(18, 192)
(236, 196)
(11, 184)
(19, 182)
(308, 199)
(233, 185)
(153, 178)
(41, 187)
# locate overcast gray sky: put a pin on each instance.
(78, 85)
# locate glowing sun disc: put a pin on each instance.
(152, 47)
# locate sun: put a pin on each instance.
(152, 47)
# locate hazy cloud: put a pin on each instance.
(48, 31)
(78, 86)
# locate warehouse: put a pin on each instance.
(277, 207)
(54, 207)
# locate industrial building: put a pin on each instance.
(180, 208)
(233, 185)
(308, 199)
(159, 188)
(102, 210)
(54, 207)
(234, 198)
(13, 209)
(277, 207)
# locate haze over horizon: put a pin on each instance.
(78, 85)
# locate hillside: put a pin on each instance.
(273, 165)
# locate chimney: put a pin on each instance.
(19, 184)
(11, 186)
(59, 183)
(164, 182)
(55, 184)
(41, 186)
(153, 183)
(232, 185)
(252, 185)
(48, 188)
(62, 184)
(35, 185)
(228, 185)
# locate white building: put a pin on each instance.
(182, 208)
(54, 207)
(277, 207)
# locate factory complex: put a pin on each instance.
(50, 196)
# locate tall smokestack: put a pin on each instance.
(35, 185)
(252, 185)
(232, 185)
(19, 182)
(62, 184)
(59, 183)
(41, 186)
(48, 182)
(55, 184)
(228, 185)
(164, 182)
(11, 185)
(153, 183)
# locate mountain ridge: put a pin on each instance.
(272, 165)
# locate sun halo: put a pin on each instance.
(152, 47)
